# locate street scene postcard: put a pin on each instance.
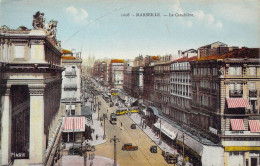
(130, 82)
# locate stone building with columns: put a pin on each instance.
(30, 91)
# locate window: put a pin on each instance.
(252, 71)
(231, 71)
(238, 88)
(252, 86)
(215, 71)
(238, 70)
(232, 87)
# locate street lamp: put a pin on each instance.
(183, 158)
(160, 140)
(104, 117)
(115, 140)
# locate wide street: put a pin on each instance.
(142, 156)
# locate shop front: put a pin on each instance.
(73, 129)
(197, 150)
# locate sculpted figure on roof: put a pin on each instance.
(38, 20)
(51, 29)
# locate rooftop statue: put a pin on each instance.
(38, 20)
(51, 29)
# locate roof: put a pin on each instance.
(213, 43)
(237, 53)
(185, 58)
(117, 61)
(65, 51)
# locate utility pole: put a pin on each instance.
(104, 117)
(160, 140)
(115, 140)
(73, 137)
(183, 154)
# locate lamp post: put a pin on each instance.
(115, 140)
(160, 139)
(183, 154)
(104, 117)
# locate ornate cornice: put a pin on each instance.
(36, 89)
(37, 41)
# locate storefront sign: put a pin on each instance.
(242, 148)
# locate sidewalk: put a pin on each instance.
(137, 119)
(98, 130)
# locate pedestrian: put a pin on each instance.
(121, 124)
(107, 111)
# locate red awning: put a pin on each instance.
(237, 124)
(76, 124)
(254, 125)
(237, 103)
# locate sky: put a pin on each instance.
(113, 29)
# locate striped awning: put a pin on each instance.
(237, 124)
(254, 125)
(74, 124)
(237, 103)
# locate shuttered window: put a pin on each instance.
(252, 86)
(231, 71)
(238, 87)
(252, 71)
(232, 87)
(238, 70)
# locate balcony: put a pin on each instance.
(70, 87)
(70, 74)
(235, 93)
(252, 93)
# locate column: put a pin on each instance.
(37, 144)
(6, 127)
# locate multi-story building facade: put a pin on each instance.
(216, 48)
(148, 90)
(71, 85)
(117, 73)
(162, 87)
(103, 71)
(30, 91)
(128, 78)
(133, 81)
(225, 101)
(180, 90)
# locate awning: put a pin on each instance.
(155, 110)
(74, 124)
(166, 128)
(144, 111)
(237, 103)
(237, 124)
(254, 125)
